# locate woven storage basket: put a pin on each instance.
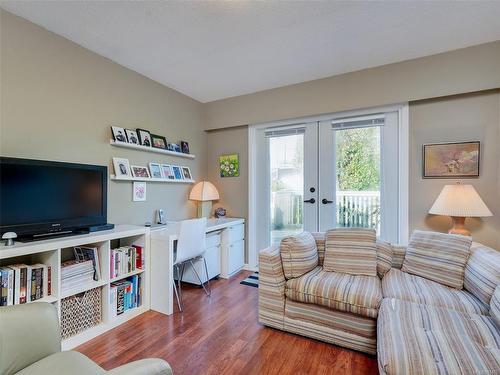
(80, 312)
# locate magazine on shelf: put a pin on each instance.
(84, 253)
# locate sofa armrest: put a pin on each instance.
(271, 288)
(398, 256)
(28, 333)
(150, 366)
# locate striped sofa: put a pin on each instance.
(413, 324)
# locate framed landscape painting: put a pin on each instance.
(451, 160)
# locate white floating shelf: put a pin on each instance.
(112, 142)
(145, 179)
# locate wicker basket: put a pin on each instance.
(80, 312)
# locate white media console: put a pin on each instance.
(54, 251)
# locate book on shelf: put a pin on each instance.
(75, 273)
(126, 259)
(125, 295)
(21, 283)
(83, 253)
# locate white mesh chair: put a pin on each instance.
(191, 245)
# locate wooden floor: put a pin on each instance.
(221, 335)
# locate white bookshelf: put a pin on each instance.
(53, 252)
(150, 179)
(150, 149)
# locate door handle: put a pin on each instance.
(326, 201)
(312, 200)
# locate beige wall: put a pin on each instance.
(457, 118)
(465, 70)
(59, 99)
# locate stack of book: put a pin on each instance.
(126, 259)
(75, 273)
(21, 283)
(82, 270)
(125, 295)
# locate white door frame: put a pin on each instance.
(253, 200)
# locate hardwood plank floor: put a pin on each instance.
(221, 335)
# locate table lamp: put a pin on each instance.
(204, 192)
(459, 201)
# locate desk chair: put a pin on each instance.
(190, 246)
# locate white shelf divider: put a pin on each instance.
(150, 149)
(146, 179)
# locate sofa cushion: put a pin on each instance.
(420, 339)
(298, 254)
(438, 257)
(384, 257)
(339, 291)
(482, 272)
(403, 286)
(351, 250)
(495, 306)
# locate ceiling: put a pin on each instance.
(211, 50)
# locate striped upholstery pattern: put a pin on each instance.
(298, 254)
(320, 238)
(384, 257)
(403, 286)
(438, 257)
(359, 325)
(398, 256)
(351, 250)
(495, 307)
(340, 291)
(271, 288)
(482, 272)
(419, 339)
(331, 335)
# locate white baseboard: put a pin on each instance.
(247, 267)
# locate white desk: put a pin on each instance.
(162, 239)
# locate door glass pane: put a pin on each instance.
(357, 153)
(286, 157)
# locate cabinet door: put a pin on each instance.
(236, 256)
(212, 255)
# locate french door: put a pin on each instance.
(345, 170)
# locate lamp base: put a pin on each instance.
(459, 226)
(205, 209)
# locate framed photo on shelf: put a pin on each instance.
(166, 171)
(139, 191)
(159, 141)
(144, 137)
(122, 167)
(155, 170)
(186, 173)
(177, 172)
(119, 134)
(451, 160)
(185, 147)
(132, 136)
(140, 171)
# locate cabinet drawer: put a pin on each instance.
(236, 233)
(213, 239)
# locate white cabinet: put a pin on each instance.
(233, 250)
(212, 255)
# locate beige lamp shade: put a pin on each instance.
(459, 200)
(204, 191)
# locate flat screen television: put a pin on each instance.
(41, 198)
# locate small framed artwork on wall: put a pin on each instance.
(177, 172)
(159, 141)
(229, 165)
(144, 137)
(122, 167)
(186, 173)
(155, 170)
(185, 147)
(140, 171)
(166, 171)
(451, 160)
(118, 134)
(139, 190)
(132, 136)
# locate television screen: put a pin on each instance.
(40, 195)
